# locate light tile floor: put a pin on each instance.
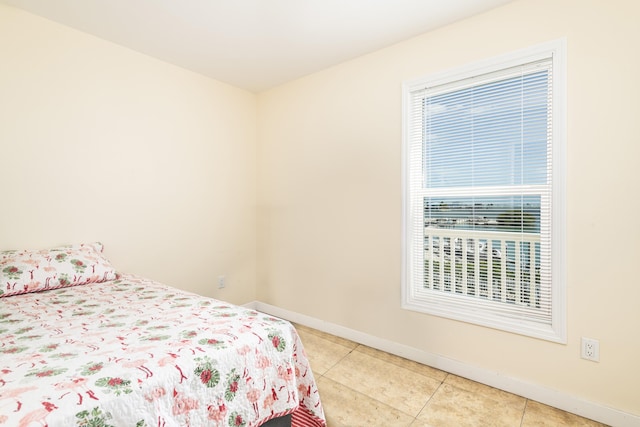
(363, 387)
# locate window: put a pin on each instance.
(484, 193)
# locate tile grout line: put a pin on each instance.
(431, 397)
(398, 365)
(413, 417)
(369, 397)
(355, 346)
(359, 345)
(524, 410)
(338, 362)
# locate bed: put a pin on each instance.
(82, 345)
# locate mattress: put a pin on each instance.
(135, 352)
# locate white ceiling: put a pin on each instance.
(255, 44)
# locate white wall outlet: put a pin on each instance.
(222, 282)
(590, 349)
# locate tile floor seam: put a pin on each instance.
(380, 401)
(323, 335)
(532, 412)
(374, 399)
(399, 365)
(337, 363)
(407, 370)
(430, 397)
(526, 402)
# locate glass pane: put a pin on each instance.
(495, 213)
(492, 134)
(484, 247)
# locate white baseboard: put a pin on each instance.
(557, 399)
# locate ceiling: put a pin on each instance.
(255, 44)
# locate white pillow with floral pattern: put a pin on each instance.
(24, 271)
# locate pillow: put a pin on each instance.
(27, 271)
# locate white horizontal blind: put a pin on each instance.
(479, 197)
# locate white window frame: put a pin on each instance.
(556, 330)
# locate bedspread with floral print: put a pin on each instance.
(134, 352)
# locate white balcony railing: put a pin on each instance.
(489, 265)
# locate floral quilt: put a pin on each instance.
(134, 352)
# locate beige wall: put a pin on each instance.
(98, 142)
(330, 197)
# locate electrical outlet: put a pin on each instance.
(590, 349)
(222, 282)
